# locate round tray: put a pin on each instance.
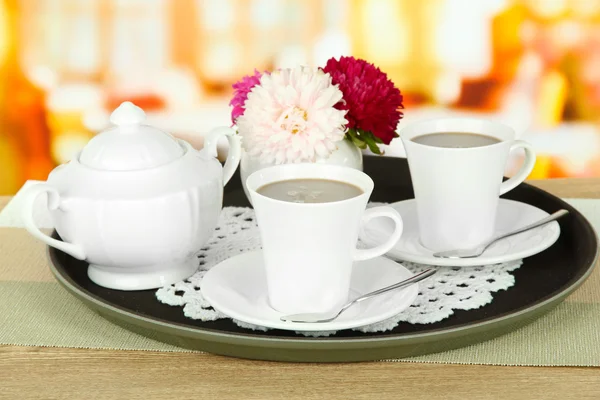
(541, 283)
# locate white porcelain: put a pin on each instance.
(457, 189)
(136, 203)
(511, 215)
(130, 144)
(347, 155)
(310, 247)
(237, 287)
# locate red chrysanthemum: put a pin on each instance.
(372, 100)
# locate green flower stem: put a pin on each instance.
(363, 139)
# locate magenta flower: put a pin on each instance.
(372, 100)
(240, 94)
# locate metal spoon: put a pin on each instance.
(331, 315)
(477, 251)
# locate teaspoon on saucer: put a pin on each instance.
(477, 251)
(331, 315)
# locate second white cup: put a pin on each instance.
(457, 189)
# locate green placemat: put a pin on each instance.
(36, 311)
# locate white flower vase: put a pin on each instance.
(347, 154)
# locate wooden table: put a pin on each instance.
(56, 373)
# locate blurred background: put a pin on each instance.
(66, 64)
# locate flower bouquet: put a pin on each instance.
(307, 114)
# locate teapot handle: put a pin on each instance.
(235, 149)
(30, 195)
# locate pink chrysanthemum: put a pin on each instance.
(372, 100)
(290, 117)
(240, 94)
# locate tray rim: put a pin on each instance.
(330, 343)
(320, 340)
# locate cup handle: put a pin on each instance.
(235, 149)
(525, 170)
(30, 195)
(376, 212)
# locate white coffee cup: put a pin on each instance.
(457, 189)
(309, 248)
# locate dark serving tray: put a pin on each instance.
(542, 282)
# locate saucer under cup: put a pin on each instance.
(511, 215)
(237, 287)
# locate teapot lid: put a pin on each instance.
(130, 145)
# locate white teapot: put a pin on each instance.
(136, 203)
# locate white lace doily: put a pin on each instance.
(463, 288)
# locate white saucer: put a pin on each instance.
(237, 288)
(511, 215)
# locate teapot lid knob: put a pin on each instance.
(130, 145)
(128, 114)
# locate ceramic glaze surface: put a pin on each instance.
(119, 233)
(140, 227)
(309, 248)
(457, 189)
(511, 215)
(237, 288)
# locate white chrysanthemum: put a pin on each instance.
(289, 117)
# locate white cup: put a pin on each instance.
(309, 248)
(457, 189)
